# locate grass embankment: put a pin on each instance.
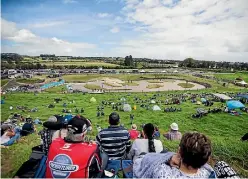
(223, 129)
(92, 86)
(233, 76)
(154, 81)
(186, 85)
(57, 89)
(4, 82)
(112, 84)
(30, 80)
(152, 86)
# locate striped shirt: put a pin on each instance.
(115, 141)
(173, 135)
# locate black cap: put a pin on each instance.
(78, 125)
(114, 118)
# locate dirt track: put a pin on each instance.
(167, 86)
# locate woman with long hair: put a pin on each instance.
(146, 145)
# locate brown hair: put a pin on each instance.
(195, 149)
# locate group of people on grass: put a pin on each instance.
(11, 132)
(70, 154)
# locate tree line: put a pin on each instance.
(192, 63)
(13, 60)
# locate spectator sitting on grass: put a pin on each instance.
(156, 133)
(134, 133)
(189, 162)
(114, 140)
(47, 134)
(146, 145)
(174, 134)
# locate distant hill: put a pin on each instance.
(11, 57)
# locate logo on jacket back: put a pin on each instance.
(62, 166)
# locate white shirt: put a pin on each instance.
(4, 138)
(141, 145)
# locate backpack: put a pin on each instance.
(72, 160)
(35, 166)
(27, 129)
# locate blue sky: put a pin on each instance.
(144, 28)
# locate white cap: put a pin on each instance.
(174, 126)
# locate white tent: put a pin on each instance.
(142, 71)
(242, 82)
(153, 102)
(127, 108)
(156, 108)
(222, 96)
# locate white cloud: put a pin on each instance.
(69, 1)
(115, 30)
(103, 15)
(203, 29)
(26, 42)
(48, 24)
(118, 19)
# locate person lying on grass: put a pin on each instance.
(9, 135)
(190, 161)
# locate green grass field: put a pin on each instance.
(5, 81)
(243, 75)
(79, 63)
(92, 86)
(30, 80)
(223, 129)
(186, 85)
(153, 85)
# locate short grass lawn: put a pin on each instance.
(29, 80)
(152, 86)
(92, 86)
(154, 81)
(3, 82)
(186, 85)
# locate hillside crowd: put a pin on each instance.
(67, 152)
(69, 149)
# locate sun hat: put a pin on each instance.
(134, 126)
(174, 126)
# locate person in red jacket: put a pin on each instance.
(73, 157)
(134, 134)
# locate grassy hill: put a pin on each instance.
(223, 129)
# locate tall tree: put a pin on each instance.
(129, 61)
